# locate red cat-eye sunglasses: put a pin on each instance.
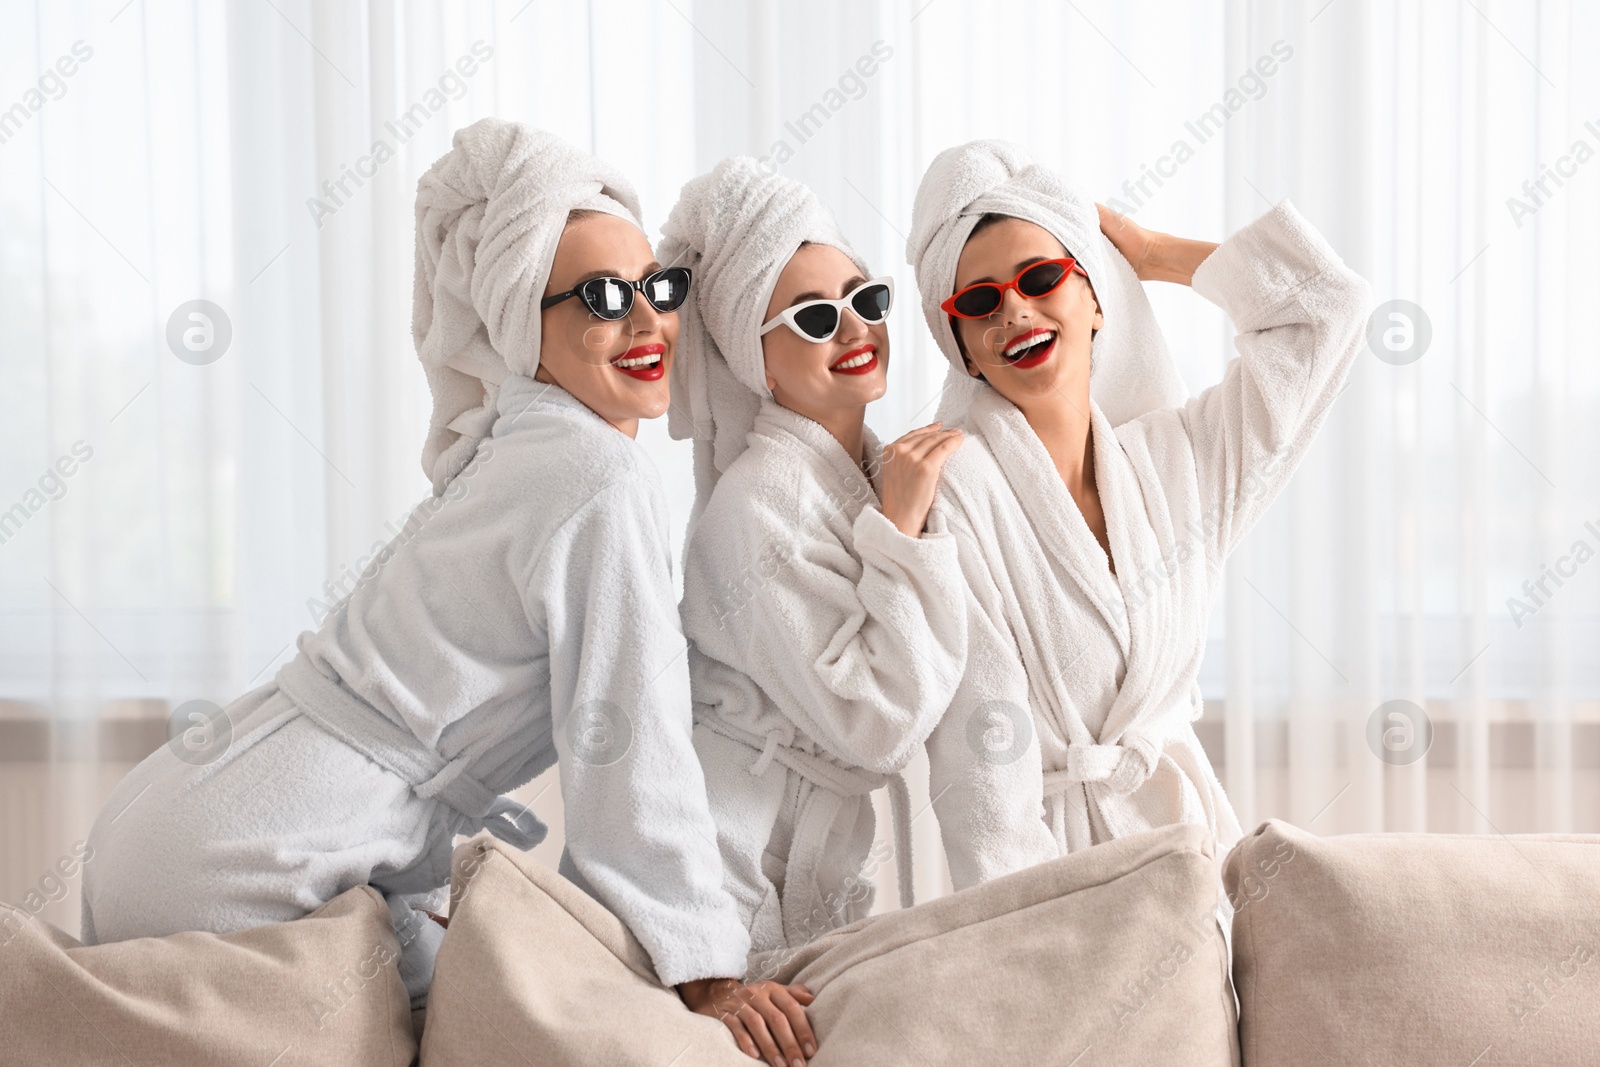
(982, 299)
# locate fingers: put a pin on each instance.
(911, 436)
(788, 999)
(943, 450)
(740, 1037)
(945, 439)
(756, 1025)
(780, 1025)
(1110, 221)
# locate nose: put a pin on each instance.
(851, 328)
(1013, 308)
(643, 318)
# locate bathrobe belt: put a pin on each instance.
(1124, 766)
(840, 780)
(430, 775)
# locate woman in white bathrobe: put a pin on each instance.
(1092, 507)
(825, 631)
(524, 616)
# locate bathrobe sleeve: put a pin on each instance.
(985, 770)
(1301, 317)
(865, 665)
(638, 826)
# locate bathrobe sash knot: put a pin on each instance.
(811, 829)
(431, 776)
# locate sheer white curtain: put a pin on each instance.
(171, 517)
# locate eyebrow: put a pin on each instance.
(612, 273)
(815, 295)
(1021, 266)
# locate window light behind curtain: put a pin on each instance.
(231, 153)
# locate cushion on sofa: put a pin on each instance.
(534, 970)
(1416, 948)
(320, 991)
(1111, 955)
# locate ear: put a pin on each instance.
(1099, 321)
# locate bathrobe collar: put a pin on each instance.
(522, 396)
(1148, 648)
(1049, 506)
(791, 429)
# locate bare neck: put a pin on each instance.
(1062, 421)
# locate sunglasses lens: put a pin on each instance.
(818, 321)
(872, 303)
(667, 289)
(978, 301)
(609, 298)
(1041, 279)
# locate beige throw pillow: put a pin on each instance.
(1418, 949)
(535, 971)
(1111, 955)
(320, 991)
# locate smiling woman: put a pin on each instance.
(1060, 509)
(822, 644)
(604, 347)
(495, 637)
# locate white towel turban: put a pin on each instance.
(736, 228)
(489, 216)
(1132, 371)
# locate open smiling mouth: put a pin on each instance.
(861, 360)
(642, 362)
(1030, 349)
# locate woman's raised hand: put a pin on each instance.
(911, 469)
(765, 1016)
(1156, 257)
(1132, 240)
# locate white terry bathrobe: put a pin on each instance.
(824, 643)
(523, 616)
(1102, 668)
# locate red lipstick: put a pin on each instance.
(866, 368)
(1036, 355)
(645, 362)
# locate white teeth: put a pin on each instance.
(1018, 346)
(642, 361)
(854, 361)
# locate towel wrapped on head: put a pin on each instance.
(1131, 370)
(736, 228)
(489, 216)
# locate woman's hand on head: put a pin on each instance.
(911, 467)
(1156, 257)
(1132, 240)
(768, 1019)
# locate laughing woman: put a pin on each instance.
(1092, 506)
(530, 613)
(825, 631)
